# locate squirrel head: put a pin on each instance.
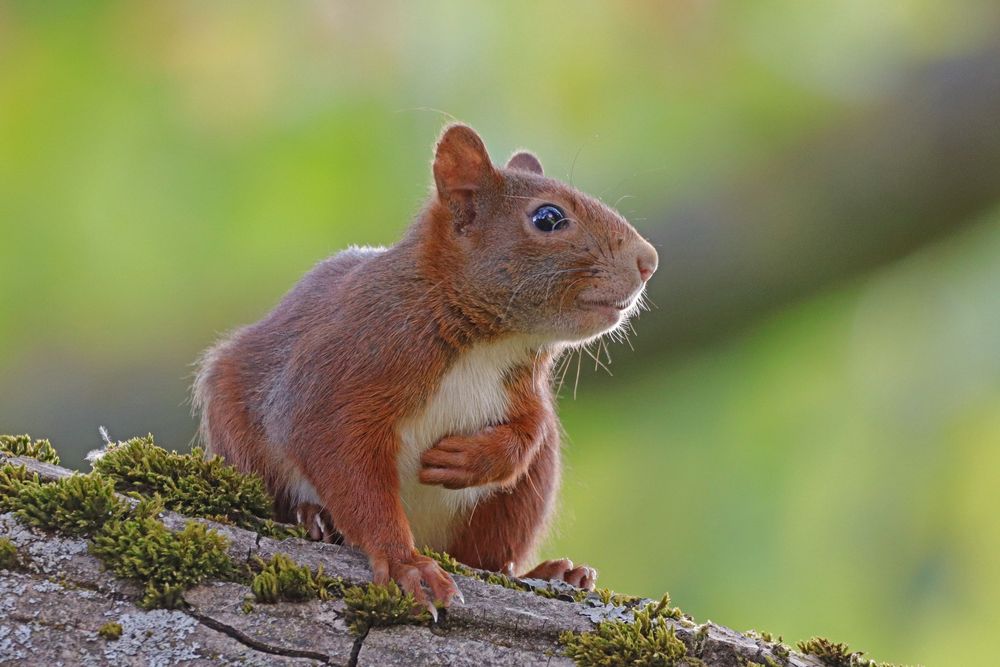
(516, 252)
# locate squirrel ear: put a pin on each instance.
(525, 161)
(461, 163)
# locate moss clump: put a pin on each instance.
(499, 579)
(648, 641)
(12, 480)
(9, 559)
(780, 650)
(777, 645)
(110, 631)
(133, 544)
(23, 445)
(74, 505)
(281, 578)
(617, 599)
(762, 635)
(448, 562)
(192, 484)
(836, 654)
(140, 547)
(830, 653)
(373, 605)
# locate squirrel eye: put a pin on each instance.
(549, 218)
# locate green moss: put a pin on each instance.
(74, 505)
(192, 484)
(247, 607)
(12, 480)
(449, 563)
(281, 578)
(768, 662)
(131, 542)
(110, 631)
(140, 547)
(778, 648)
(373, 605)
(762, 635)
(648, 641)
(9, 560)
(617, 599)
(23, 445)
(498, 579)
(835, 654)
(829, 653)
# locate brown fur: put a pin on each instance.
(317, 389)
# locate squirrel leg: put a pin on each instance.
(503, 530)
(360, 489)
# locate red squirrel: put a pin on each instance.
(401, 397)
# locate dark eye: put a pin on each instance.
(549, 218)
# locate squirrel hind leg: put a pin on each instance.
(318, 523)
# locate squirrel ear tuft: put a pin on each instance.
(525, 161)
(461, 163)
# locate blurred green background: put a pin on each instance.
(806, 437)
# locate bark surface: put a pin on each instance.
(52, 608)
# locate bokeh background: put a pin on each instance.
(806, 436)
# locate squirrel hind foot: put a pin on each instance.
(562, 569)
(318, 523)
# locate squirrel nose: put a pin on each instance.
(646, 260)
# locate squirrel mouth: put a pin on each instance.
(606, 304)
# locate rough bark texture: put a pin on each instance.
(51, 611)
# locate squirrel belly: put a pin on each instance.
(471, 396)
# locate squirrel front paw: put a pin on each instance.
(412, 574)
(458, 462)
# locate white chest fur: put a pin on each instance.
(471, 396)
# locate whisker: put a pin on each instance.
(630, 177)
(572, 167)
(579, 360)
(620, 199)
(564, 365)
(447, 115)
(597, 360)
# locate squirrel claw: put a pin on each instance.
(318, 523)
(412, 574)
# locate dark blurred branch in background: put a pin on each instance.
(923, 163)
